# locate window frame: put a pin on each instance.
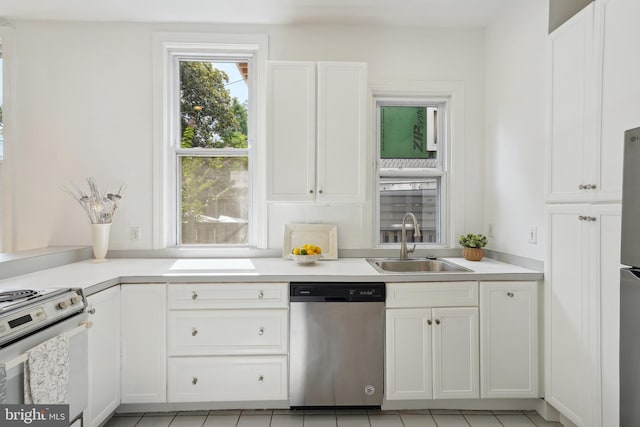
(449, 94)
(10, 134)
(169, 49)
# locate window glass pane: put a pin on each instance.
(213, 104)
(420, 196)
(214, 202)
(408, 136)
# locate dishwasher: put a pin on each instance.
(337, 344)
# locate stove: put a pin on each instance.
(24, 311)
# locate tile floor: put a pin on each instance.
(328, 418)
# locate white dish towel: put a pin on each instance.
(46, 372)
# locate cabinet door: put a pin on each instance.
(342, 130)
(408, 354)
(618, 34)
(509, 339)
(144, 348)
(455, 353)
(567, 298)
(605, 262)
(104, 356)
(291, 130)
(571, 137)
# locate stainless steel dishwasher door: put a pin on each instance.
(336, 354)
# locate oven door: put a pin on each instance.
(78, 363)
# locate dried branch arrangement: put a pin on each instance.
(99, 205)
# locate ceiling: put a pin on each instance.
(411, 13)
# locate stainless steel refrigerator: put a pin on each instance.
(630, 284)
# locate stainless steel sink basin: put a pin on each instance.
(415, 265)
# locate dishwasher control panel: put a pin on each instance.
(337, 292)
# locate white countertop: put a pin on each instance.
(93, 277)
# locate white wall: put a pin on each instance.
(515, 123)
(84, 101)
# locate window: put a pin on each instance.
(213, 155)
(204, 176)
(411, 169)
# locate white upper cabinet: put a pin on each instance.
(571, 174)
(593, 100)
(291, 128)
(316, 131)
(617, 74)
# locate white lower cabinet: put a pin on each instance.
(144, 343)
(509, 339)
(104, 356)
(431, 353)
(446, 340)
(228, 342)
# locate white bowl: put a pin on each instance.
(306, 259)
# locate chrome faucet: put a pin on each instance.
(416, 233)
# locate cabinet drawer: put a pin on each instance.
(228, 295)
(212, 332)
(432, 294)
(218, 378)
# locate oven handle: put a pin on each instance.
(24, 356)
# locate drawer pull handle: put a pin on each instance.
(260, 294)
(194, 380)
(429, 322)
(261, 379)
(437, 321)
(195, 295)
(510, 294)
(92, 310)
(261, 331)
(194, 332)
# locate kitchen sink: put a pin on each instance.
(415, 265)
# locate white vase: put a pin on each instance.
(100, 235)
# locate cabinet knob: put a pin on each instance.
(591, 218)
(261, 379)
(437, 321)
(582, 218)
(194, 380)
(260, 294)
(194, 332)
(582, 187)
(320, 191)
(92, 310)
(591, 187)
(310, 191)
(510, 294)
(194, 295)
(429, 322)
(261, 331)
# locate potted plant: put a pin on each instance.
(472, 245)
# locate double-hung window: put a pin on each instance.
(209, 135)
(212, 158)
(411, 141)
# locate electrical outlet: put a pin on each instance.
(490, 230)
(135, 232)
(533, 234)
